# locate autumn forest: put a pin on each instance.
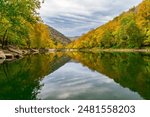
(22, 26)
(38, 62)
(131, 29)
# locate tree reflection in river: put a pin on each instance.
(130, 70)
(21, 79)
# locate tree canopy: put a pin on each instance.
(21, 25)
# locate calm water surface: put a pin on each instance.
(77, 75)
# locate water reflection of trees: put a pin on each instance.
(131, 70)
(21, 79)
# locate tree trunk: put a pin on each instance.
(3, 39)
(6, 41)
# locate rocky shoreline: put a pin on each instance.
(12, 53)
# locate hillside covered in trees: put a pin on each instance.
(21, 25)
(131, 29)
(59, 39)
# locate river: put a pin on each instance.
(77, 75)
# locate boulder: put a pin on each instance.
(2, 55)
(24, 52)
(15, 50)
(34, 51)
(1, 61)
(52, 50)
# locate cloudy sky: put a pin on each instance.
(75, 17)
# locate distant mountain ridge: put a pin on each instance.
(73, 38)
(58, 37)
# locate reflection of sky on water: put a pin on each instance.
(73, 81)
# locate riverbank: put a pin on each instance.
(12, 53)
(107, 50)
(120, 50)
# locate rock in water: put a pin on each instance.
(2, 55)
(15, 50)
(1, 61)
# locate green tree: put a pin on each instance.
(107, 39)
(143, 20)
(129, 35)
(14, 17)
(134, 36)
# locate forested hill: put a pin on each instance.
(131, 29)
(58, 37)
(21, 26)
